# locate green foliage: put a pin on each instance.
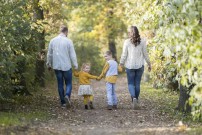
(10, 118)
(176, 54)
(181, 36)
(88, 35)
(16, 46)
(88, 52)
(173, 27)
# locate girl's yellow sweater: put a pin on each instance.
(110, 79)
(84, 77)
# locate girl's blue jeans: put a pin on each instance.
(111, 94)
(134, 78)
(64, 76)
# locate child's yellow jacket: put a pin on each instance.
(84, 77)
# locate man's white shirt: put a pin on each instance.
(61, 53)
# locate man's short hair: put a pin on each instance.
(63, 28)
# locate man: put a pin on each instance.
(60, 55)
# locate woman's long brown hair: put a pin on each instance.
(134, 37)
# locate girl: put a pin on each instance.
(110, 70)
(85, 89)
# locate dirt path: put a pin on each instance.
(124, 121)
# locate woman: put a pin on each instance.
(133, 56)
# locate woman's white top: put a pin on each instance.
(133, 56)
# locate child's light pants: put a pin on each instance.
(87, 98)
(111, 95)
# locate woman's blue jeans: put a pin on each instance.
(134, 78)
(64, 76)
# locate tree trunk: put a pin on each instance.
(111, 30)
(184, 96)
(112, 48)
(40, 61)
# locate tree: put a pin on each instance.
(106, 23)
(17, 49)
(40, 59)
(177, 49)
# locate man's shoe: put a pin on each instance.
(63, 105)
(109, 107)
(68, 103)
(91, 105)
(86, 107)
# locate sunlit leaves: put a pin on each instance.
(178, 50)
(17, 42)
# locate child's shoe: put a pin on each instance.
(91, 105)
(86, 107)
(114, 106)
(109, 107)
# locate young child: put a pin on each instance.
(110, 70)
(85, 88)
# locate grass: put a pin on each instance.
(166, 101)
(11, 118)
(25, 109)
(195, 131)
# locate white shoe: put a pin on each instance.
(63, 105)
(68, 103)
(135, 103)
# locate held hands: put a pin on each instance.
(99, 78)
(75, 67)
(120, 69)
(121, 65)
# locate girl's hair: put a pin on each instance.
(134, 37)
(84, 65)
(108, 53)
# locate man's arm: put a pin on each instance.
(76, 73)
(124, 54)
(73, 55)
(49, 62)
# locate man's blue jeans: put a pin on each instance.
(64, 76)
(134, 78)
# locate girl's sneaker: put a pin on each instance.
(114, 106)
(109, 107)
(91, 105)
(86, 107)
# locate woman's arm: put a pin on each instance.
(124, 53)
(145, 54)
(120, 69)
